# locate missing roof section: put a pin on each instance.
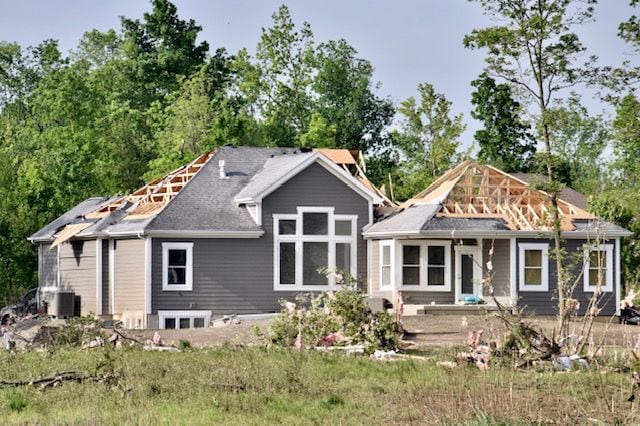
(149, 200)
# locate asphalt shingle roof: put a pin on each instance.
(73, 215)
(207, 202)
(274, 169)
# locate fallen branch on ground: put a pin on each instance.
(57, 378)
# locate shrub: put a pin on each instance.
(78, 330)
(333, 318)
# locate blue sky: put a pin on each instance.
(408, 42)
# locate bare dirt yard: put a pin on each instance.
(424, 331)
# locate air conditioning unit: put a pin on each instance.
(61, 304)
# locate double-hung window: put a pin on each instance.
(385, 264)
(313, 239)
(177, 266)
(534, 267)
(598, 268)
(426, 265)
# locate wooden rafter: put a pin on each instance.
(476, 191)
(154, 196)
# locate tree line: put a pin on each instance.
(130, 104)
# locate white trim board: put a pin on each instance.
(99, 276)
(544, 267)
(188, 247)
(476, 253)
(162, 315)
(299, 238)
(607, 287)
(147, 278)
(424, 247)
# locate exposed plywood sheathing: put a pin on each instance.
(352, 161)
(471, 190)
(69, 232)
(151, 198)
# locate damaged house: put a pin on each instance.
(240, 228)
(477, 222)
(234, 231)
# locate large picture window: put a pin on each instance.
(177, 266)
(598, 268)
(534, 267)
(312, 239)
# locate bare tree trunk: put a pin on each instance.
(563, 316)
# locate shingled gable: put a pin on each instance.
(473, 197)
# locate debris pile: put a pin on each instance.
(34, 332)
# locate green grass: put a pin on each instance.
(300, 388)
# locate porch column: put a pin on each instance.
(514, 269)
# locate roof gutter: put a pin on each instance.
(491, 234)
(205, 234)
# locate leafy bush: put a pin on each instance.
(78, 330)
(330, 319)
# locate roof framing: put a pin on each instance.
(154, 196)
(471, 190)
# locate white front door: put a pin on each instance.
(468, 272)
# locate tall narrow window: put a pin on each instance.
(177, 266)
(310, 241)
(598, 270)
(287, 263)
(534, 267)
(385, 265)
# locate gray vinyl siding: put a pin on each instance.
(129, 276)
(501, 262)
(236, 275)
(106, 289)
(78, 272)
(47, 266)
(546, 303)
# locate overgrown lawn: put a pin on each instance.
(255, 386)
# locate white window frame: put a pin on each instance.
(544, 248)
(299, 239)
(162, 315)
(188, 286)
(607, 287)
(383, 244)
(424, 259)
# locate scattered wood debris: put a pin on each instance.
(57, 378)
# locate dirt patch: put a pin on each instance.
(425, 330)
(450, 330)
(213, 336)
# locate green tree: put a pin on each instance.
(505, 140)
(278, 83)
(344, 96)
(626, 139)
(533, 47)
(162, 48)
(428, 140)
(578, 140)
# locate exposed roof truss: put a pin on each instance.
(477, 191)
(154, 196)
